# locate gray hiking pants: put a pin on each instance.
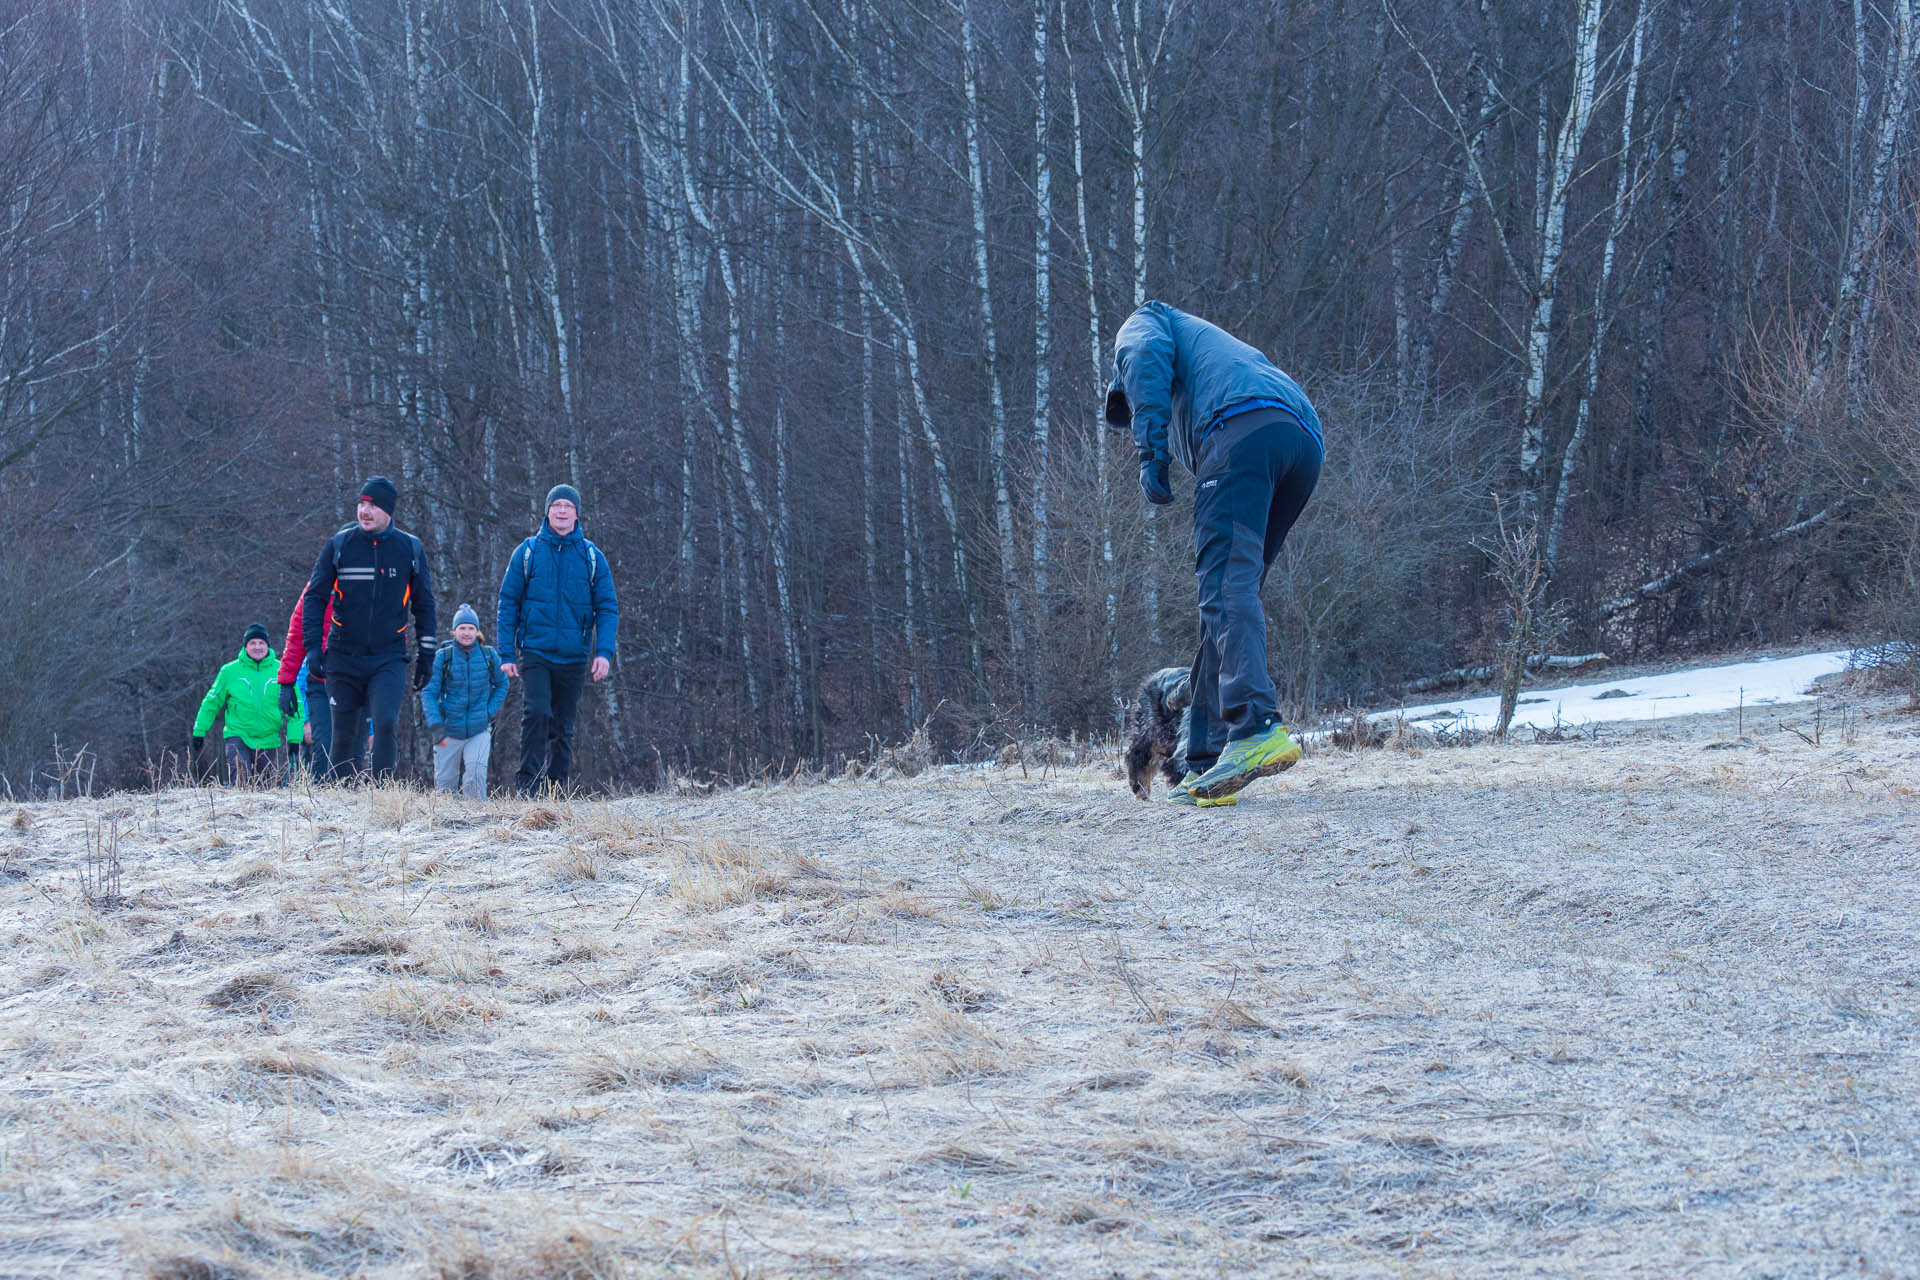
(461, 764)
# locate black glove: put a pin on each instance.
(289, 701)
(198, 744)
(422, 669)
(1153, 481)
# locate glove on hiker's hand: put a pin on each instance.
(422, 669)
(289, 701)
(1153, 481)
(193, 753)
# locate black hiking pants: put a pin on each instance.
(1256, 471)
(549, 700)
(373, 685)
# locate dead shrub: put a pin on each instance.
(1358, 732)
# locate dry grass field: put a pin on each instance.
(1636, 1005)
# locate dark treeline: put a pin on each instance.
(811, 298)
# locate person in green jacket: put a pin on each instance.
(246, 695)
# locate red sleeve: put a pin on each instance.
(295, 650)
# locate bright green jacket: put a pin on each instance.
(249, 694)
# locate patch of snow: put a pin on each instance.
(1770, 682)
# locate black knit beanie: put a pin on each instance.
(566, 491)
(256, 631)
(381, 493)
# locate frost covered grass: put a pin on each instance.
(1640, 1002)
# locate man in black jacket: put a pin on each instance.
(1192, 391)
(376, 573)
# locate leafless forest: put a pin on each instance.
(810, 298)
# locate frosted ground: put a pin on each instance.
(1641, 1003)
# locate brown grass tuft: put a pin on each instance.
(293, 1061)
(720, 873)
(1228, 1015)
(255, 872)
(951, 1045)
(251, 993)
(427, 1010)
(573, 864)
(569, 1255)
(957, 993)
(182, 1266)
(21, 820)
(380, 942)
(539, 818)
(628, 1067)
(480, 920)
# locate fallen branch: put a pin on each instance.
(1648, 590)
(1538, 662)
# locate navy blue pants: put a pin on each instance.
(549, 700)
(1256, 471)
(373, 685)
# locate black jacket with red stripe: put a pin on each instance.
(374, 581)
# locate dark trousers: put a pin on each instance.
(1256, 472)
(373, 685)
(550, 696)
(248, 764)
(319, 752)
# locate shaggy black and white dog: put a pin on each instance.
(1159, 722)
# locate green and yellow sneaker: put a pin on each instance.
(1243, 761)
(1182, 795)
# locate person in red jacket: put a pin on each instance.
(319, 713)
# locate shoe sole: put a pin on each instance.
(1233, 783)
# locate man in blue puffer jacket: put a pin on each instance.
(558, 620)
(1191, 390)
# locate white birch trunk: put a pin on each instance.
(1625, 185)
(1573, 131)
(997, 460)
(1042, 309)
(1096, 365)
(1852, 294)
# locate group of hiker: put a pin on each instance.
(1187, 389)
(330, 702)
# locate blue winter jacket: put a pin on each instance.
(465, 691)
(557, 600)
(1175, 376)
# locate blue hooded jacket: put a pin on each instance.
(1175, 376)
(557, 600)
(465, 691)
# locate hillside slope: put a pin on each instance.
(1636, 1004)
